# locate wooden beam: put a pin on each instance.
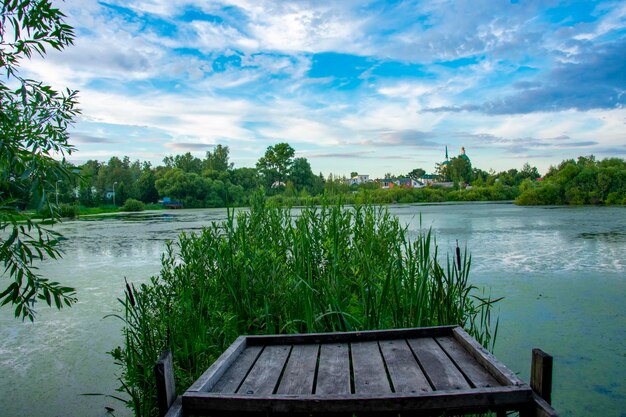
(453, 402)
(349, 337)
(165, 384)
(496, 368)
(206, 381)
(542, 408)
(541, 374)
(176, 410)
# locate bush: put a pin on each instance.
(332, 268)
(615, 198)
(61, 211)
(133, 205)
(68, 210)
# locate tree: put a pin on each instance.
(416, 173)
(33, 126)
(218, 159)
(276, 163)
(459, 170)
(146, 190)
(529, 172)
(301, 174)
(247, 178)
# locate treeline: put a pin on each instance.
(209, 182)
(213, 181)
(577, 182)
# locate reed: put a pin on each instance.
(274, 270)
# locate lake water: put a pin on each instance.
(561, 270)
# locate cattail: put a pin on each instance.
(130, 293)
(458, 255)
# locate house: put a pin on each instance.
(387, 183)
(404, 182)
(359, 179)
(428, 179)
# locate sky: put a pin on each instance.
(372, 87)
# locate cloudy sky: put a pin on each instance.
(366, 86)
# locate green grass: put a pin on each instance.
(268, 270)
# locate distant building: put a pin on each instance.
(359, 179)
(403, 182)
(463, 155)
(428, 179)
(447, 161)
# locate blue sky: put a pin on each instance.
(365, 86)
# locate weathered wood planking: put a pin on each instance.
(500, 372)
(440, 370)
(176, 408)
(370, 376)
(475, 372)
(541, 374)
(347, 337)
(166, 387)
(404, 371)
(333, 375)
(541, 408)
(263, 376)
(234, 376)
(201, 403)
(426, 372)
(299, 373)
(215, 371)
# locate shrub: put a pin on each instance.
(133, 205)
(68, 210)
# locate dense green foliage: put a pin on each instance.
(585, 181)
(215, 182)
(270, 270)
(33, 127)
(68, 210)
(133, 205)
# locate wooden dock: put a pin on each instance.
(420, 372)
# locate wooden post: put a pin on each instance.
(166, 387)
(541, 374)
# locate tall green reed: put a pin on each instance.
(273, 270)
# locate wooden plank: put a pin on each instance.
(439, 369)
(165, 383)
(176, 409)
(541, 374)
(347, 337)
(235, 374)
(333, 374)
(264, 375)
(300, 370)
(473, 370)
(405, 373)
(496, 368)
(215, 371)
(370, 376)
(474, 400)
(542, 408)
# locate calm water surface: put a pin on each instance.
(561, 270)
